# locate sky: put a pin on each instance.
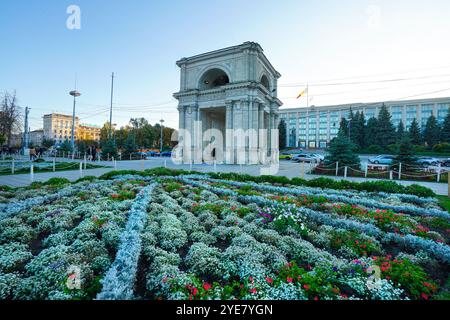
(345, 50)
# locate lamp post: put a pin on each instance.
(162, 121)
(74, 94)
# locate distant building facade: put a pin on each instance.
(36, 137)
(88, 132)
(58, 127)
(315, 127)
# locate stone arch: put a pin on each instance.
(213, 77)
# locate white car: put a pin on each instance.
(304, 157)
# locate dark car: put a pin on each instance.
(152, 154)
(166, 154)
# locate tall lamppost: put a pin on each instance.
(74, 94)
(162, 121)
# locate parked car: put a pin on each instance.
(167, 154)
(139, 154)
(292, 151)
(152, 154)
(304, 157)
(382, 159)
(321, 157)
(446, 162)
(285, 156)
(428, 161)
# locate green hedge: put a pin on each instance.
(369, 186)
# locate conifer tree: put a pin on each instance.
(282, 135)
(400, 131)
(386, 130)
(342, 150)
(414, 133)
(445, 132)
(431, 133)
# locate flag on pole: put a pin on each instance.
(305, 91)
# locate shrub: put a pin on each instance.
(56, 182)
(442, 148)
(374, 149)
(410, 276)
(419, 191)
(204, 260)
(87, 178)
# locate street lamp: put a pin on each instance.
(162, 121)
(74, 94)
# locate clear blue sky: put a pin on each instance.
(140, 40)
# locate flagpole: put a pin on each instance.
(307, 95)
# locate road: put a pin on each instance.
(286, 168)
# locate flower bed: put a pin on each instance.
(196, 237)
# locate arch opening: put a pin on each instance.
(213, 78)
(265, 82)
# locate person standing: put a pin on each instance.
(32, 153)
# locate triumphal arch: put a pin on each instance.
(228, 107)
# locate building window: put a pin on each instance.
(427, 111)
(442, 111)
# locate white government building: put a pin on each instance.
(314, 127)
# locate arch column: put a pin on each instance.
(229, 155)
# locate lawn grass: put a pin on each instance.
(444, 201)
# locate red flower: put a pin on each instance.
(306, 287)
(206, 286)
(194, 291)
(426, 284)
(269, 280)
(289, 280)
(251, 279)
(316, 298)
(424, 296)
(252, 290)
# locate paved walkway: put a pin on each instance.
(286, 168)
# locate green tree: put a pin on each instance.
(432, 132)
(445, 132)
(282, 135)
(343, 127)
(357, 129)
(400, 131)
(167, 138)
(342, 150)
(109, 148)
(47, 143)
(66, 146)
(130, 144)
(414, 133)
(405, 153)
(386, 130)
(104, 132)
(371, 132)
